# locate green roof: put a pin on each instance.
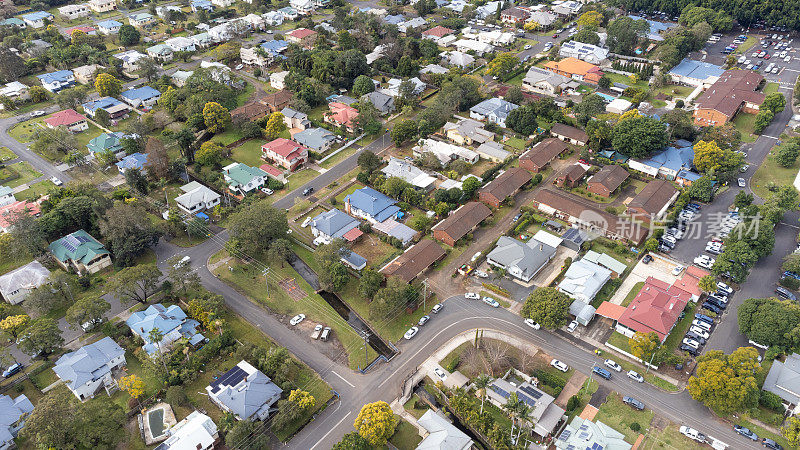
(242, 174)
(104, 142)
(78, 246)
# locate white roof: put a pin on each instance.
(408, 172)
(29, 276)
(445, 151)
(196, 431)
(583, 280)
(547, 238)
(443, 435)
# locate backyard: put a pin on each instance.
(26, 173)
(624, 418)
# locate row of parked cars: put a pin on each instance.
(422, 321)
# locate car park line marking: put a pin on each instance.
(342, 378)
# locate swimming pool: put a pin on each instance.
(606, 97)
(155, 418)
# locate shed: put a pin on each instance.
(583, 312)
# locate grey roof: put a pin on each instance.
(494, 150)
(334, 223)
(443, 435)
(527, 257)
(88, 363)
(293, 114)
(5, 190)
(352, 258)
(433, 68)
(314, 138)
(783, 379)
(10, 412)
(29, 276)
(470, 128)
(195, 193)
(582, 311)
(584, 279)
(402, 169)
(537, 74)
(382, 102)
(496, 106)
(605, 260)
(246, 391)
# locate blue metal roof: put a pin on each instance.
(102, 103)
(372, 202)
(133, 161)
(58, 76)
(38, 15)
(109, 24)
(696, 69)
(141, 93)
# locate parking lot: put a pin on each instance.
(783, 71)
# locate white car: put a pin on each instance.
(481, 274)
(611, 364)
(722, 287)
(787, 59)
(633, 375)
(699, 331)
(183, 261)
(559, 365)
(267, 191)
(38, 113)
(741, 182)
(472, 296)
(677, 270)
(693, 434)
(436, 308)
(532, 324)
(306, 222)
(701, 324)
(317, 331)
(691, 343)
(56, 181)
(491, 302)
(704, 261)
(411, 333)
(297, 319)
(475, 257)
(572, 326)
(440, 373)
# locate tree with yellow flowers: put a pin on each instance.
(275, 125)
(376, 423)
(590, 19)
(13, 325)
(302, 399)
(502, 64)
(710, 158)
(133, 385)
(107, 85)
(216, 117)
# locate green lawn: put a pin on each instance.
(771, 173)
(746, 45)
(411, 406)
(26, 173)
(248, 153)
(516, 143)
(675, 90)
(669, 439)
(339, 157)
(405, 437)
(6, 154)
(228, 136)
(245, 94)
(745, 123)
(23, 132)
(82, 139)
(356, 186)
(620, 417)
(35, 190)
(621, 342)
(769, 88)
(300, 178)
(632, 294)
(618, 78)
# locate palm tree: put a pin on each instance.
(512, 409)
(523, 413)
(481, 383)
(156, 336)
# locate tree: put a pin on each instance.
(334, 275)
(726, 383)
(702, 189)
(502, 65)
(133, 385)
(158, 164)
(52, 423)
(352, 441)
(107, 85)
(709, 158)
(137, 180)
(42, 299)
(210, 154)
(362, 85)
(369, 284)
(376, 423)
(135, 283)
(651, 244)
(369, 162)
(623, 34)
(708, 284)
(681, 124)
(38, 94)
(298, 403)
(726, 136)
(246, 435)
(482, 382)
(216, 117)
(41, 336)
(176, 396)
(787, 154)
(604, 82)
(128, 35)
(254, 227)
(275, 125)
(12, 66)
(72, 98)
(128, 232)
(470, 186)
(792, 263)
(395, 295)
(280, 250)
(644, 345)
(774, 102)
(185, 139)
(640, 136)
(769, 321)
(588, 36)
(148, 68)
(404, 131)
(763, 119)
(523, 120)
(55, 143)
(206, 310)
(791, 431)
(87, 310)
(514, 95)
(13, 325)
(99, 423)
(548, 307)
(592, 19)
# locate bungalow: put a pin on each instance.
(89, 368)
(544, 415)
(583, 280)
(571, 176)
(606, 181)
(106, 142)
(569, 134)
(289, 13)
(88, 29)
(15, 91)
(411, 24)
(520, 259)
(80, 252)
(783, 380)
(74, 11)
(540, 81)
(112, 106)
(160, 52)
(181, 44)
(255, 21)
(141, 19)
(504, 186)
(418, 178)
(196, 198)
(434, 69)
(17, 284)
(583, 433)
(204, 5)
(542, 19)
(318, 139)
(197, 432)
(653, 201)
(467, 132)
(515, 15)
(616, 267)
(37, 19)
(696, 73)
(576, 69)
(667, 163)
(493, 151)
(222, 3)
(202, 40)
(85, 74)
(277, 101)
(459, 59)
(250, 111)
(734, 91)
(445, 152)
(436, 32)
(276, 79)
(171, 321)
(493, 110)
(285, 153)
(243, 179)
(584, 52)
(295, 119)
(341, 115)
(334, 224)
(101, 6)
(253, 56)
(6, 196)
(488, 9)
(15, 410)
(13, 22)
(393, 88)
(478, 47)
(10, 211)
(245, 392)
(383, 102)
(69, 119)
(275, 48)
(352, 259)
(274, 173)
(656, 308)
(133, 161)
(538, 157)
(302, 37)
(130, 60)
(460, 222)
(56, 81)
(414, 261)
(144, 97)
(368, 204)
(273, 18)
(180, 77)
(442, 434)
(302, 6)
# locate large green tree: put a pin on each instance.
(624, 34)
(523, 120)
(769, 321)
(41, 336)
(726, 383)
(255, 226)
(128, 232)
(639, 136)
(548, 307)
(135, 283)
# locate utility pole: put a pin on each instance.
(366, 348)
(266, 280)
(424, 294)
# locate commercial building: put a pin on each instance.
(655, 308)
(734, 91)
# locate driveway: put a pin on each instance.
(659, 268)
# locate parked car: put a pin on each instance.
(647, 259)
(411, 333)
(516, 218)
(611, 364)
(712, 307)
(633, 375)
(559, 365)
(308, 191)
(38, 113)
(267, 191)
(601, 372)
(491, 302)
(297, 319)
(317, 331)
(699, 331)
(632, 402)
(691, 343)
(481, 274)
(475, 257)
(423, 320)
(440, 373)
(472, 296)
(724, 288)
(436, 308)
(695, 337)
(704, 318)
(16, 367)
(56, 181)
(741, 182)
(572, 326)
(690, 350)
(693, 434)
(677, 270)
(746, 432)
(770, 444)
(532, 324)
(703, 325)
(785, 293)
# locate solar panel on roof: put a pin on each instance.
(532, 392)
(230, 378)
(499, 390)
(531, 402)
(597, 446)
(565, 435)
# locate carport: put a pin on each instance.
(610, 311)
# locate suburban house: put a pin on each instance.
(441, 434)
(571, 176)
(303, 6)
(334, 224)
(198, 5)
(538, 157)
(13, 412)
(180, 77)
(460, 222)
(133, 161)
(197, 197)
(667, 163)
(37, 19)
(436, 32)
(653, 201)
(89, 368)
(583, 433)
(101, 6)
(587, 216)
(607, 180)
(141, 97)
(289, 13)
(285, 153)
(575, 69)
(384, 103)
(493, 110)
(734, 91)
(540, 81)
(295, 119)
(570, 134)
(202, 40)
(445, 152)
(69, 119)
(160, 52)
(243, 179)
(592, 54)
(522, 260)
(80, 252)
(542, 19)
(273, 19)
(504, 186)
(414, 261)
(616, 267)
(14, 22)
(245, 392)
(141, 19)
(276, 79)
(302, 37)
(696, 73)
(58, 80)
(655, 308)
(472, 45)
(85, 74)
(783, 380)
(196, 432)
(368, 204)
(410, 173)
(9, 211)
(545, 415)
(171, 321)
(318, 139)
(467, 132)
(410, 24)
(393, 86)
(460, 59)
(181, 44)
(250, 111)
(17, 284)
(352, 259)
(130, 60)
(583, 280)
(15, 91)
(493, 151)
(6, 195)
(341, 115)
(74, 11)
(515, 15)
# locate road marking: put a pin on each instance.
(771, 137)
(342, 378)
(331, 430)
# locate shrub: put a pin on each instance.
(453, 365)
(770, 401)
(176, 396)
(635, 426)
(549, 379)
(790, 283)
(573, 403)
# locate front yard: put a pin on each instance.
(770, 173)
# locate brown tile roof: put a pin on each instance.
(732, 89)
(544, 152)
(507, 183)
(573, 173)
(250, 110)
(414, 261)
(654, 196)
(516, 12)
(570, 132)
(438, 31)
(277, 99)
(463, 220)
(610, 176)
(574, 207)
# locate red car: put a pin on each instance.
(555, 36)
(767, 56)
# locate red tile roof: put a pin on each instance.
(352, 235)
(655, 308)
(301, 33)
(10, 211)
(438, 31)
(271, 170)
(285, 148)
(66, 117)
(342, 114)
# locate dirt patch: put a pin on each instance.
(290, 286)
(573, 386)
